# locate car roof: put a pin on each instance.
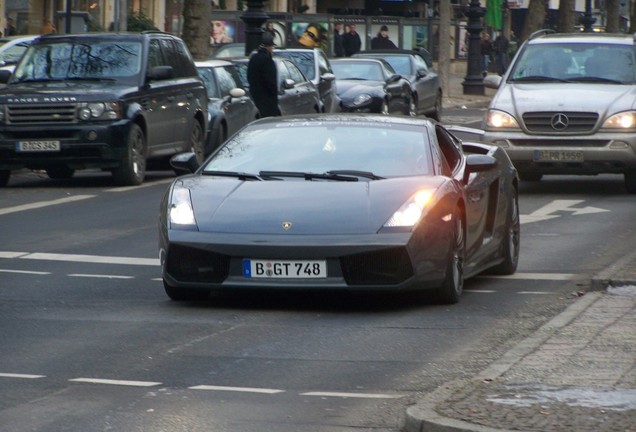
(213, 63)
(361, 60)
(104, 35)
(17, 39)
(390, 51)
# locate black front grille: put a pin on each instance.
(187, 264)
(565, 143)
(42, 113)
(384, 267)
(556, 122)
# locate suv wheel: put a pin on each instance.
(630, 182)
(132, 170)
(4, 177)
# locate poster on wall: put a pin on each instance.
(415, 36)
(223, 31)
(278, 30)
(384, 36)
(310, 35)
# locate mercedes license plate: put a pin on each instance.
(284, 269)
(557, 156)
(37, 146)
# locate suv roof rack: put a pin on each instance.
(540, 33)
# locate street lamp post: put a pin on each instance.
(474, 81)
(588, 20)
(254, 18)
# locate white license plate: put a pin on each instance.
(37, 146)
(557, 156)
(284, 269)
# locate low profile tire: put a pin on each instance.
(413, 106)
(530, 176)
(384, 109)
(511, 241)
(132, 169)
(453, 285)
(630, 182)
(185, 294)
(437, 111)
(197, 143)
(60, 172)
(4, 177)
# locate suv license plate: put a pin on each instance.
(284, 269)
(557, 156)
(37, 146)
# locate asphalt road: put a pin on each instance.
(91, 342)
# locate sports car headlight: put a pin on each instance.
(411, 211)
(622, 120)
(180, 208)
(500, 120)
(361, 99)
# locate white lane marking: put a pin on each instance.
(103, 276)
(535, 292)
(24, 272)
(25, 376)
(480, 291)
(9, 254)
(147, 184)
(116, 382)
(96, 259)
(354, 395)
(236, 389)
(534, 276)
(41, 204)
(547, 211)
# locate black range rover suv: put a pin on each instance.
(113, 101)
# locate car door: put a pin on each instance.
(426, 83)
(308, 97)
(394, 89)
(237, 110)
(326, 83)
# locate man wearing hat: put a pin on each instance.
(262, 77)
(382, 41)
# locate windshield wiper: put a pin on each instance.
(98, 79)
(365, 174)
(239, 175)
(308, 176)
(596, 79)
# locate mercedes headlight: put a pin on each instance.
(622, 120)
(496, 119)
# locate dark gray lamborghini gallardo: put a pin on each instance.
(340, 202)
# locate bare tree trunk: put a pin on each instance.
(444, 46)
(566, 16)
(535, 20)
(612, 11)
(196, 27)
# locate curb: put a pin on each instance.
(621, 273)
(422, 417)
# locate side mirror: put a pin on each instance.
(492, 81)
(237, 92)
(4, 76)
(394, 78)
(327, 76)
(288, 83)
(421, 73)
(161, 73)
(184, 163)
(478, 163)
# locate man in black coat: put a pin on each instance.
(338, 48)
(351, 41)
(262, 77)
(382, 41)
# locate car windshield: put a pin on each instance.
(357, 71)
(69, 60)
(386, 150)
(304, 61)
(576, 62)
(400, 63)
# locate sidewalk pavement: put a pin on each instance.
(576, 373)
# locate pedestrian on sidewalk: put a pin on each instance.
(486, 52)
(263, 78)
(502, 47)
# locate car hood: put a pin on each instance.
(60, 91)
(352, 88)
(602, 98)
(312, 207)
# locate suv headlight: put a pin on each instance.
(99, 111)
(622, 120)
(496, 119)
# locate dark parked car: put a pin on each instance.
(425, 85)
(340, 202)
(315, 65)
(100, 100)
(371, 86)
(296, 94)
(229, 106)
